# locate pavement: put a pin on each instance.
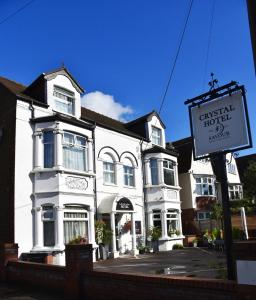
(188, 262)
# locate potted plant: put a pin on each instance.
(154, 233)
(103, 236)
(177, 231)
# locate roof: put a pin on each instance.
(107, 122)
(184, 148)
(146, 118)
(18, 89)
(158, 149)
(243, 162)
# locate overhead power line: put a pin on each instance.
(176, 57)
(208, 43)
(16, 12)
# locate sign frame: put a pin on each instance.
(215, 94)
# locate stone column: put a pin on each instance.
(58, 157)
(147, 172)
(59, 228)
(160, 171)
(134, 249)
(38, 228)
(164, 225)
(180, 222)
(38, 150)
(89, 156)
(114, 252)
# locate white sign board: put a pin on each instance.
(219, 125)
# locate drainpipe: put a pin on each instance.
(31, 107)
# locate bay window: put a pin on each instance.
(205, 186)
(156, 136)
(48, 149)
(74, 154)
(64, 100)
(169, 172)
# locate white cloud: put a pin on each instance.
(106, 105)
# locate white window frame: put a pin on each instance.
(108, 173)
(129, 173)
(235, 189)
(156, 136)
(231, 168)
(172, 215)
(156, 217)
(205, 182)
(48, 218)
(64, 97)
(171, 168)
(204, 215)
(75, 145)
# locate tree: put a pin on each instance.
(217, 214)
(250, 181)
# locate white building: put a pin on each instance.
(200, 187)
(63, 167)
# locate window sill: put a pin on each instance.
(109, 184)
(129, 187)
(165, 186)
(62, 170)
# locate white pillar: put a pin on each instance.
(147, 172)
(134, 249)
(89, 156)
(91, 227)
(160, 171)
(114, 252)
(150, 219)
(59, 230)
(38, 150)
(164, 225)
(58, 157)
(38, 226)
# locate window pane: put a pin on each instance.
(156, 136)
(49, 238)
(168, 177)
(128, 176)
(48, 149)
(74, 229)
(108, 172)
(154, 171)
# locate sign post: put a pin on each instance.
(219, 124)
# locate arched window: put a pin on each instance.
(129, 178)
(108, 169)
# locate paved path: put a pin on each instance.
(191, 262)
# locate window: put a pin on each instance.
(169, 178)
(48, 142)
(205, 186)
(75, 223)
(64, 100)
(203, 215)
(231, 168)
(48, 226)
(154, 171)
(157, 218)
(108, 172)
(156, 136)
(128, 173)
(172, 218)
(235, 192)
(74, 154)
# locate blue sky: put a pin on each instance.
(121, 52)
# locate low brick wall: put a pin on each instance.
(99, 285)
(37, 275)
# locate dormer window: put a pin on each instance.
(156, 136)
(64, 100)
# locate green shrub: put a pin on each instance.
(177, 246)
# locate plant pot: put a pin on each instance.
(155, 246)
(104, 249)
